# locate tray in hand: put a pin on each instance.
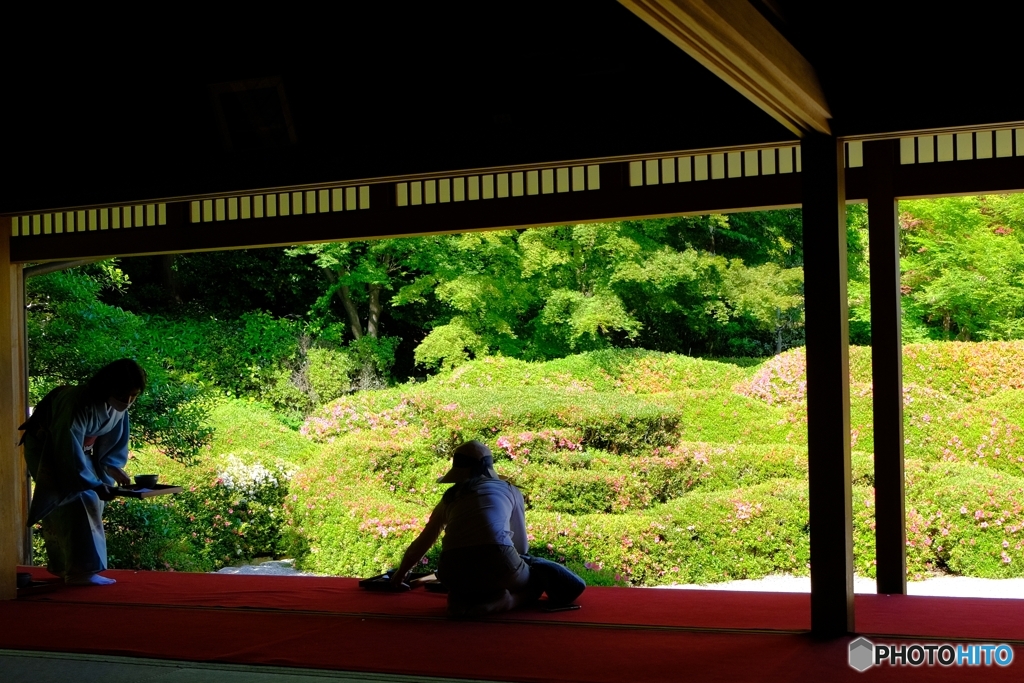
(139, 491)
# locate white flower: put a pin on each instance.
(249, 480)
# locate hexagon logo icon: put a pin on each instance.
(862, 654)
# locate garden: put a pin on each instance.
(642, 383)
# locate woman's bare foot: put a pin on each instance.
(88, 580)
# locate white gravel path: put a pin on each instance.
(271, 568)
(949, 586)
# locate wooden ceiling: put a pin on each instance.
(108, 109)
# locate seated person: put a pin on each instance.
(484, 522)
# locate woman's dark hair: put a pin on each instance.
(114, 379)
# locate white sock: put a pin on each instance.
(88, 580)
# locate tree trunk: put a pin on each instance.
(373, 321)
(351, 312)
(345, 297)
(167, 276)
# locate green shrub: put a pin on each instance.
(72, 334)
(328, 372)
(963, 370)
(147, 534)
(961, 518)
(230, 511)
(987, 432)
(363, 411)
(699, 538)
(594, 482)
(725, 418)
(965, 519)
(635, 371)
(573, 492)
(338, 524)
(967, 370)
(272, 360)
(606, 421)
(173, 416)
(255, 433)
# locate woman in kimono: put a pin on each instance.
(76, 444)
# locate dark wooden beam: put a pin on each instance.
(880, 159)
(737, 44)
(828, 394)
(944, 179)
(614, 201)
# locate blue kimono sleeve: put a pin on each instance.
(111, 449)
(78, 469)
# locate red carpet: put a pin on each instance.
(618, 635)
(623, 606)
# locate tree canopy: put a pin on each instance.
(715, 285)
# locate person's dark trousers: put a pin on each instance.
(561, 584)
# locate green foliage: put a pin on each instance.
(606, 421)
(350, 512)
(372, 358)
(962, 262)
(328, 372)
(449, 345)
(174, 417)
(72, 334)
(231, 508)
(640, 465)
(698, 538)
(268, 359)
(574, 482)
(255, 433)
(548, 292)
(630, 371)
(143, 534)
(961, 518)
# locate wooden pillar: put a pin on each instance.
(12, 516)
(886, 367)
(21, 405)
(828, 395)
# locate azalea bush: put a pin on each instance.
(231, 509)
(147, 534)
(700, 538)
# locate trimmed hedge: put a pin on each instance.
(631, 371)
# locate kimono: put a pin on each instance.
(68, 449)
